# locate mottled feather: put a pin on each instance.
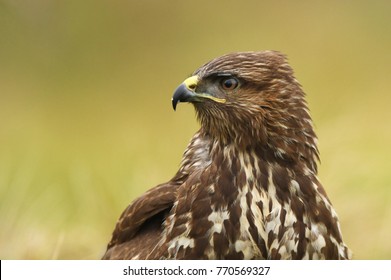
(247, 187)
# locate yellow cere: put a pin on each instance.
(191, 84)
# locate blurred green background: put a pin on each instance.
(86, 122)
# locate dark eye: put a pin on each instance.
(229, 83)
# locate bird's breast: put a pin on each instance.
(219, 217)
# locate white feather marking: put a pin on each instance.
(218, 218)
(245, 247)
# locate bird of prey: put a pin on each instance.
(247, 186)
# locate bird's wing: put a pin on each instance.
(140, 225)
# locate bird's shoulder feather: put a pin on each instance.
(140, 222)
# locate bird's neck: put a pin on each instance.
(235, 165)
(273, 137)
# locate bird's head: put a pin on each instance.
(252, 99)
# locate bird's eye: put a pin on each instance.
(229, 83)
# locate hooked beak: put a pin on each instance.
(186, 93)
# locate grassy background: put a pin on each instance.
(86, 123)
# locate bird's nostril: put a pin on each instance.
(192, 86)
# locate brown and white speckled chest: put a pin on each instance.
(238, 206)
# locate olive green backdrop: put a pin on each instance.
(86, 122)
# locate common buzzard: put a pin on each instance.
(247, 187)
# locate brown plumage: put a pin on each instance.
(247, 185)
